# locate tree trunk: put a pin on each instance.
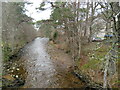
(105, 72)
(92, 14)
(87, 14)
(90, 36)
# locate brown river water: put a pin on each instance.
(42, 72)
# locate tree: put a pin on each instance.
(111, 56)
(15, 31)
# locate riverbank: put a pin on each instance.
(64, 66)
(13, 71)
(63, 59)
(13, 74)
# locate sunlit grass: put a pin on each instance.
(92, 64)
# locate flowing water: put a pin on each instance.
(42, 71)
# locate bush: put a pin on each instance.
(55, 35)
(7, 52)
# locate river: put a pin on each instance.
(41, 71)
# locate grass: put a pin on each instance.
(95, 55)
(92, 64)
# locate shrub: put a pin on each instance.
(55, 35)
